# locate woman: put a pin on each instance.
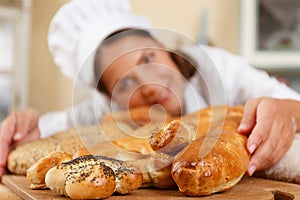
(265, 118)
(134, 69)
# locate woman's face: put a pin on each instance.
(138, 72)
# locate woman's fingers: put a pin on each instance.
(27, 121)
(255, 141)
(32, 135)
(276, 144)
(249, 118)
(273, 132)
(7, 131)
(17, 128)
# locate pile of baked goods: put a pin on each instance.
(200, 154)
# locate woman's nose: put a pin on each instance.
(151, 83)
(149, 91)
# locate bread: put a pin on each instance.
(171, 138)
(216, 162)
(201, 153)
(154, 166)
(155, 163)
(20, 159)
(93, 177)
(37, 172)
(219, 170)
(212, 155)
(114, 126)
(25, 155)
(137, 117)
(159, 168)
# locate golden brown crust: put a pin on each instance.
(171, 138)
(98, 182)
(37, 172)
(134, 145)
(218, 171)
(136, 117)
(91, 173)
(222, 167)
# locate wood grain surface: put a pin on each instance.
(249, 188)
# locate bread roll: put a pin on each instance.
(37, 172)
(82, 181)
(91, 182)
(90, 177)
(223, 165)
(218, 171)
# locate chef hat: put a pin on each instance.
(80, 26)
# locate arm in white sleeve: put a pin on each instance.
(53, 122)
(242, 81)
(88, 112)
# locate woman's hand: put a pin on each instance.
(17, 128)
(271, 125)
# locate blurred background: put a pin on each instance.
(29, 78)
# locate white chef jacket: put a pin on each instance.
(230, 80)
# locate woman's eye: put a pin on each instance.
(125, 84)
(148, 58)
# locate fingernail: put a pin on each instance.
(251, 170)
(252, 148)
(17, 136)
(242, 127)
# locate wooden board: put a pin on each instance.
(7, 194)
(249, 188)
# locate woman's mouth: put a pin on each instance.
(164, 97)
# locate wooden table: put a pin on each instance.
(248, 189)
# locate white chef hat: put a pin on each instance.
(80, 26)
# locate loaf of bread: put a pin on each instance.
(93, 177)
(25, 155)
(215, 158)
(222, 168)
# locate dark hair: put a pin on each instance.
(184, 63)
